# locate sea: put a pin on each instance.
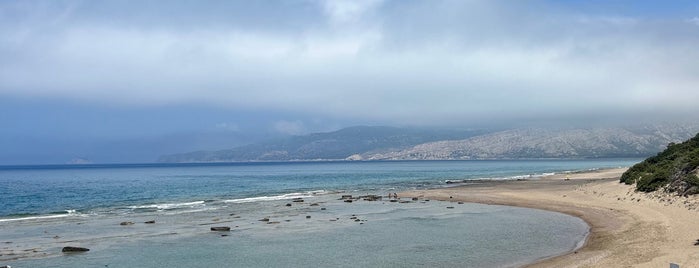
(281, 214)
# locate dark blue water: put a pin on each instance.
(45, 190)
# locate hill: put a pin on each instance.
(337, 145)
(675, 170)
(391, 143)
(548, 143)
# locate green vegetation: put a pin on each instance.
(675, 169)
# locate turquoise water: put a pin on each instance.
(49, 207)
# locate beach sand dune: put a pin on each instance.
(628, 229)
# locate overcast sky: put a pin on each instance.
(74, 71)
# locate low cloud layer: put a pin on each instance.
(401, 62)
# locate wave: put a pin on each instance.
(276, 197)
(515, 177)
(63, 214)
(169, 206)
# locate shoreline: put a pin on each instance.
(626, 228)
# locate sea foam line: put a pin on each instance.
(515, 177)
(70, 213)
(275, 197)
(168, 206)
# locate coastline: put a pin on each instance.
(626, 228)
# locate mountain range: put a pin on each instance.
(393, 143)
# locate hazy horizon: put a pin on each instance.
(126, 81)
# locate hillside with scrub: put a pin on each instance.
(673, 170)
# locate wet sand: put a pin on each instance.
(627, 229)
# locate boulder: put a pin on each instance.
(308, 217)
(74, 249)
(323, 208)
(288, 204)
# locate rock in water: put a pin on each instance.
(149, 222)
(75, 249)
(124, 223)
(221, 229)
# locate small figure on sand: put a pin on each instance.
(395, 195)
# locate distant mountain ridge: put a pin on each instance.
(391, 143)
(336, 145)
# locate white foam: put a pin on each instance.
(275, 197)
(516, 177)
(168, 206)
(70, 213)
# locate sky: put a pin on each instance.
(126, 81)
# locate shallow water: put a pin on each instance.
(422, 233)
(45, 208)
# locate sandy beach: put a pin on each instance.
(627, 229)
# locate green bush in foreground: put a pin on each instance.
(675, 168)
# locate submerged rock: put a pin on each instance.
(371, 197)
(74, 249)
(221, 229)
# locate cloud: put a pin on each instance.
(694, 20)
(390, 61)
(290, 127)
(348, 11)
(228, 127)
